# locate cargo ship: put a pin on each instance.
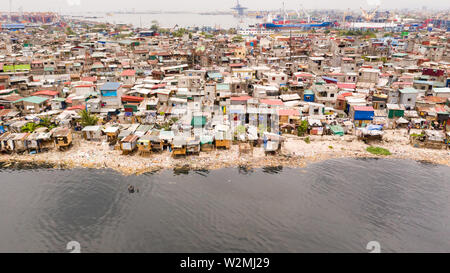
(295, 25)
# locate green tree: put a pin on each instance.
(238, 39)
(46, 122)
(87, 119)
(69, 31)
(179, 32)
(29, 127)
(302, 128)
(155, 25)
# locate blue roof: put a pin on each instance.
(110, 86)
(13, 26)
(329, 79)
(215, 75)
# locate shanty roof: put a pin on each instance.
(33, 99)
(110, 86)
(45, 93)
(128, 72)
(130, 138)
(363, 108)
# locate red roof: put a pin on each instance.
(78, 107)
(128, 72)
(439, 108)
(301, 75)
(4, 112)
(45, 93)
(160, 85)
(363, 108)
(271, 102)
(288, 112)
(436, 99)
(343, 95)
(130, 138)
(241, 98)
(346, 85)
(237, 65)
(89, 79)
(84, 85)
(132, 98)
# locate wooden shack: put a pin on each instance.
(206, 143)
(222, 137)
(40, 140)
(166, 137)
(112, 134)
(156, 142)
(20, 142)
(193, 146)
(144, 145)
(92, 132)
(62, 138)
(4, 139)
(432, 139)
(272, 142)
(128, 144)
(179, 146)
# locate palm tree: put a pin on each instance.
(29, 127)
(46, 122)
(87, 119)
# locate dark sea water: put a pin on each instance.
(332, 206)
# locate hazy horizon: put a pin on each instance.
(208, 5)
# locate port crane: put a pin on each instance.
(369, 16)
(239, 9)
(304, 12)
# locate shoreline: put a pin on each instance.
(295, 153)
(303, 162)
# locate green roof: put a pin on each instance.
(223, 86)
(196, 121)
(33, 99)
(337, 130)
(399, 54)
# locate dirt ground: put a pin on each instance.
(295, 152)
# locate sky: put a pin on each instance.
(210, 5)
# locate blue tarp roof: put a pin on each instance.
(329, 79)
(374, 127)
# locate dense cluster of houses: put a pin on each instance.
(193, 92)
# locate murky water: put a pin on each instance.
(170, 20)
(332, 206)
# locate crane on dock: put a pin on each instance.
(305, 13)
(239, 9)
